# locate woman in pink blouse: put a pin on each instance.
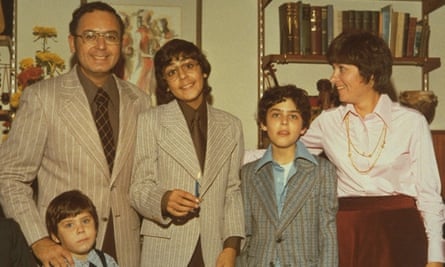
(391, 212)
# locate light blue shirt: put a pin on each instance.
(94, 258)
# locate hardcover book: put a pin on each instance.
(289, 28)
(386, 17)
(315, 30)
(411, 36)
(305, 28)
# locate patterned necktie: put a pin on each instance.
(104, 126)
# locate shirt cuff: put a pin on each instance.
(233, 242)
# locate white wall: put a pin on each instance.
(229, 38)
(229, 34)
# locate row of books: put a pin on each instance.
(307, 29)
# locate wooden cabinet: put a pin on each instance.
(267, 62)
(6, 83)
(7, 57)
(439, 148)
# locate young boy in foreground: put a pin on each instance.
(71, 220)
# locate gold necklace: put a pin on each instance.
(378, 148)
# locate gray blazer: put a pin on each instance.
(166, 159)
(54, 137)
(306, 234)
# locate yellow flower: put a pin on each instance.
(15, 99)
(51, 61)
(44, 32)
(26, 63)
(50, 57)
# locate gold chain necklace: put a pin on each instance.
(378, 148)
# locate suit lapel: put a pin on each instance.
(127, 127)
(299, 189)
(219, 147)
(175, 138)
(76, 114)
(264, 188)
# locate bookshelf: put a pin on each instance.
(267, 63)
(5, 42)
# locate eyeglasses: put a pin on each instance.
(90, 37)
(172, 72)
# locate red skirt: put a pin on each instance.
(383, 231)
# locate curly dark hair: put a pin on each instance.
(176, 49)
(369, 53)
(279, 94)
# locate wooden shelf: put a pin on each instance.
(429, 64)
(5, 40)
(431, 5)
(266, 2)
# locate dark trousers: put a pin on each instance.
(14, 251)
(109, 245)
(197, 260)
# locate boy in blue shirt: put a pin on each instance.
(290, 198)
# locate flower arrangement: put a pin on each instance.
(45, 64)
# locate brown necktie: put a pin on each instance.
(104, 126)
(198, 140)
(200, 146)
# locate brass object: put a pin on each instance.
(423, 101)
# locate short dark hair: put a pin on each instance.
(369, 53)
(90, 7)
(173, 50)
(68, 204)
(278, 94)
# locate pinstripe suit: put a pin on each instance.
(305, 234)
(54, 137)
(166, 159)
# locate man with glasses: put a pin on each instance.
(77, 131)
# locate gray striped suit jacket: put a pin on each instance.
(54, 137)
(166, 159)
(306, 234)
